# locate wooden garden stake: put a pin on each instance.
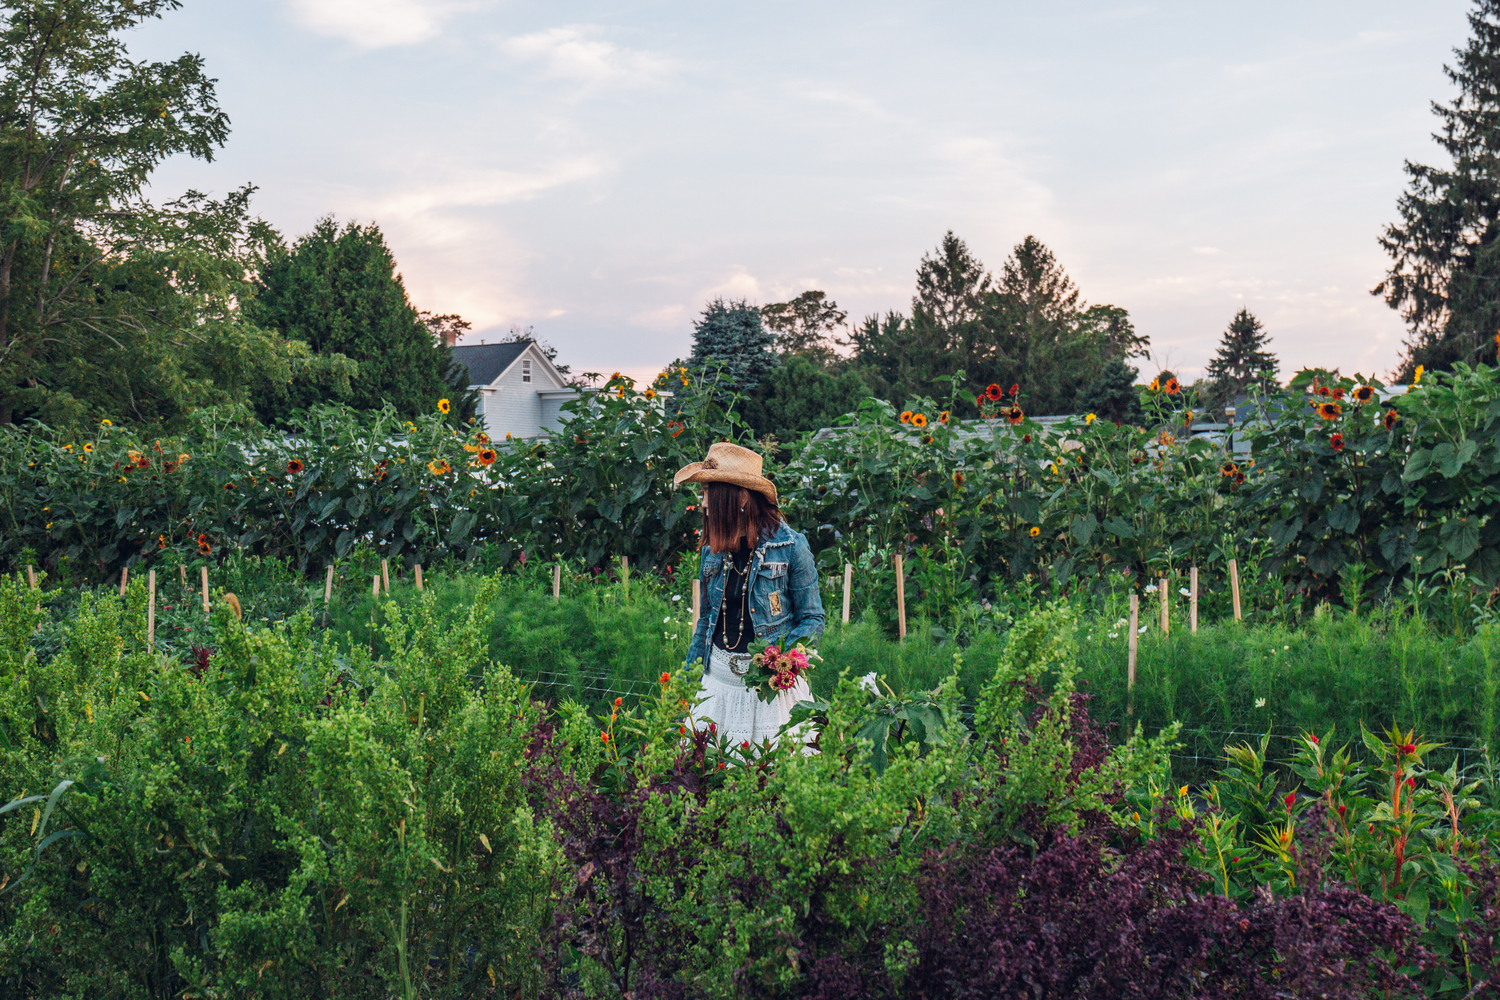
(900, 597)
(1234, 586)
(182, 576)
(1135, 615)
(205, 588)
(1166, 607)
(625, 573)
(1193, 600)
(697, 602)
(375, 587)
(328, 589)
(417, 573)
(557, 583)
(124, 575)
(31, 575)
(385, 575)
(848, 585)
(151, 609)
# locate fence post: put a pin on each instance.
(848, 586)
(416, 571)
(124, 575)
(900, 596)
(1193, 600)
(557, 583)
(697, 603)
(1234, 586)
(151, 609)
(1166, 607)
(205, 589)
(385, 575)
(1135, 615)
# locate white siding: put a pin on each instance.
(511, 406)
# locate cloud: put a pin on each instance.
(1207, 251)
(482, 189)
(575, 52)
(376, 24)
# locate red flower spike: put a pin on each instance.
(1408, 748)
(712, 729)
(1234, 861)
(1314, 740)
(665, 678)
(745, 745)
(1291, 798)
(604, 737)
(618, 701)
(1411, 782)
(1342, 809)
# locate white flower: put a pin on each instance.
(1121, 623)
(1114, 635)
(868, 683)
(1286, 647)
(676, 597)
(1150, 588)
(667, 620)
(1142, 630)
(1260, 703)
(1184, 592)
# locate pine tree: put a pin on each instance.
(732, 347)
(951, 286)
(338, 292)
(1242, 362)
(1445, 268)
(1113, 395)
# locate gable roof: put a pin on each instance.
(486, 361)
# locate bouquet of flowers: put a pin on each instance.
(779, 668)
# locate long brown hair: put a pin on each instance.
(733, 514)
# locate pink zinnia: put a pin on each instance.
(783, 681)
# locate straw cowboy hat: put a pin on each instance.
(728, 463)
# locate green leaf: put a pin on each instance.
(1083, 528)
(1119, 527)
(1460, 537)
(1284, 533)
(1417, 465)
(1343, 517)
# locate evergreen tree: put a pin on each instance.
(804, 396)
(1243, 363)
(1445, 260)
(951, 286)
(1112, 395)
(732, 347)
(338, 292)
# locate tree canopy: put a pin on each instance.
(732, 347)
(1445, 262)
(1242, 361)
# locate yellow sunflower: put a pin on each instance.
(919, 420)
(444, 406)
(438, 467)
(1035, 531)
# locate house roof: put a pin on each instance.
(486, 361)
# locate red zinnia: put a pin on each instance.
(1337, 441)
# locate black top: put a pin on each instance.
(735, 628)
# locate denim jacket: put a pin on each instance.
(784, 600)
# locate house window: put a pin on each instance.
(525, 369)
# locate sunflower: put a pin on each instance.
(161, 541)
(487, 456)
(1026, 439)
(1165, 439)
(1172, 387)
(905, 417)
(1015, 415)
(1228, 469)
(1155, 385)
(958, 479)
(105, 423)
(1337, 441)
(444, 406)
(919, 420)
(1417, 378)
(1035, 531)
(134, 456)
(1390, 418)
(294, 467)
(228, 486)
(438, 467)
(649, 393)
(1330, 411)
(204, 547)
(980, 401)
(88, 446)
(1239, 478)
(1090, 418)
(943, 417)
(994, 392)
(1364, 394)
(169, 467)
(482, 438)
(1323, 390)
(674, 428)
(928, 439)
(143, 462)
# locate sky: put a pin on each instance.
(598, 171)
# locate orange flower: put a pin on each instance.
(1330, 411)
(958, 479)
(906, 416)
(674, 428)
(1390, 418)
(943, 417)
(438, 467)
(1364, 394)
(228, 486)
(169, 467)
(1323, 390)
(1015, 390)
(927, 439)
(1337, 441)
(919, 420)
(204, 548)
(980, 400)
(993, 391)
(1228, 469)
(294, 467)
(1172, 387)
(1015, 415)
(666, 678)
(487, 456)
(1035, 531)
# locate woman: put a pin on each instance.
(759, 583)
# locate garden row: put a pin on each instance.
(288, 814)
(1341, 495)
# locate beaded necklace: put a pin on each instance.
(730, 567)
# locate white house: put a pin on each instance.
(520, 391)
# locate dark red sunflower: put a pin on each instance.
(294, 467)
(486, 456)
(1389, 420)
(1228, 469)
(1330, 411)
(1015, 390)
(1363, 394)
(994, 392)
(674, 428)
(1171, 387)
(1337, 442)
(1015, 415)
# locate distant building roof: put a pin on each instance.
(486, 361)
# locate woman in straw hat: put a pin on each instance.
(759, 583)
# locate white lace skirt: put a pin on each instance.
(736, 710)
